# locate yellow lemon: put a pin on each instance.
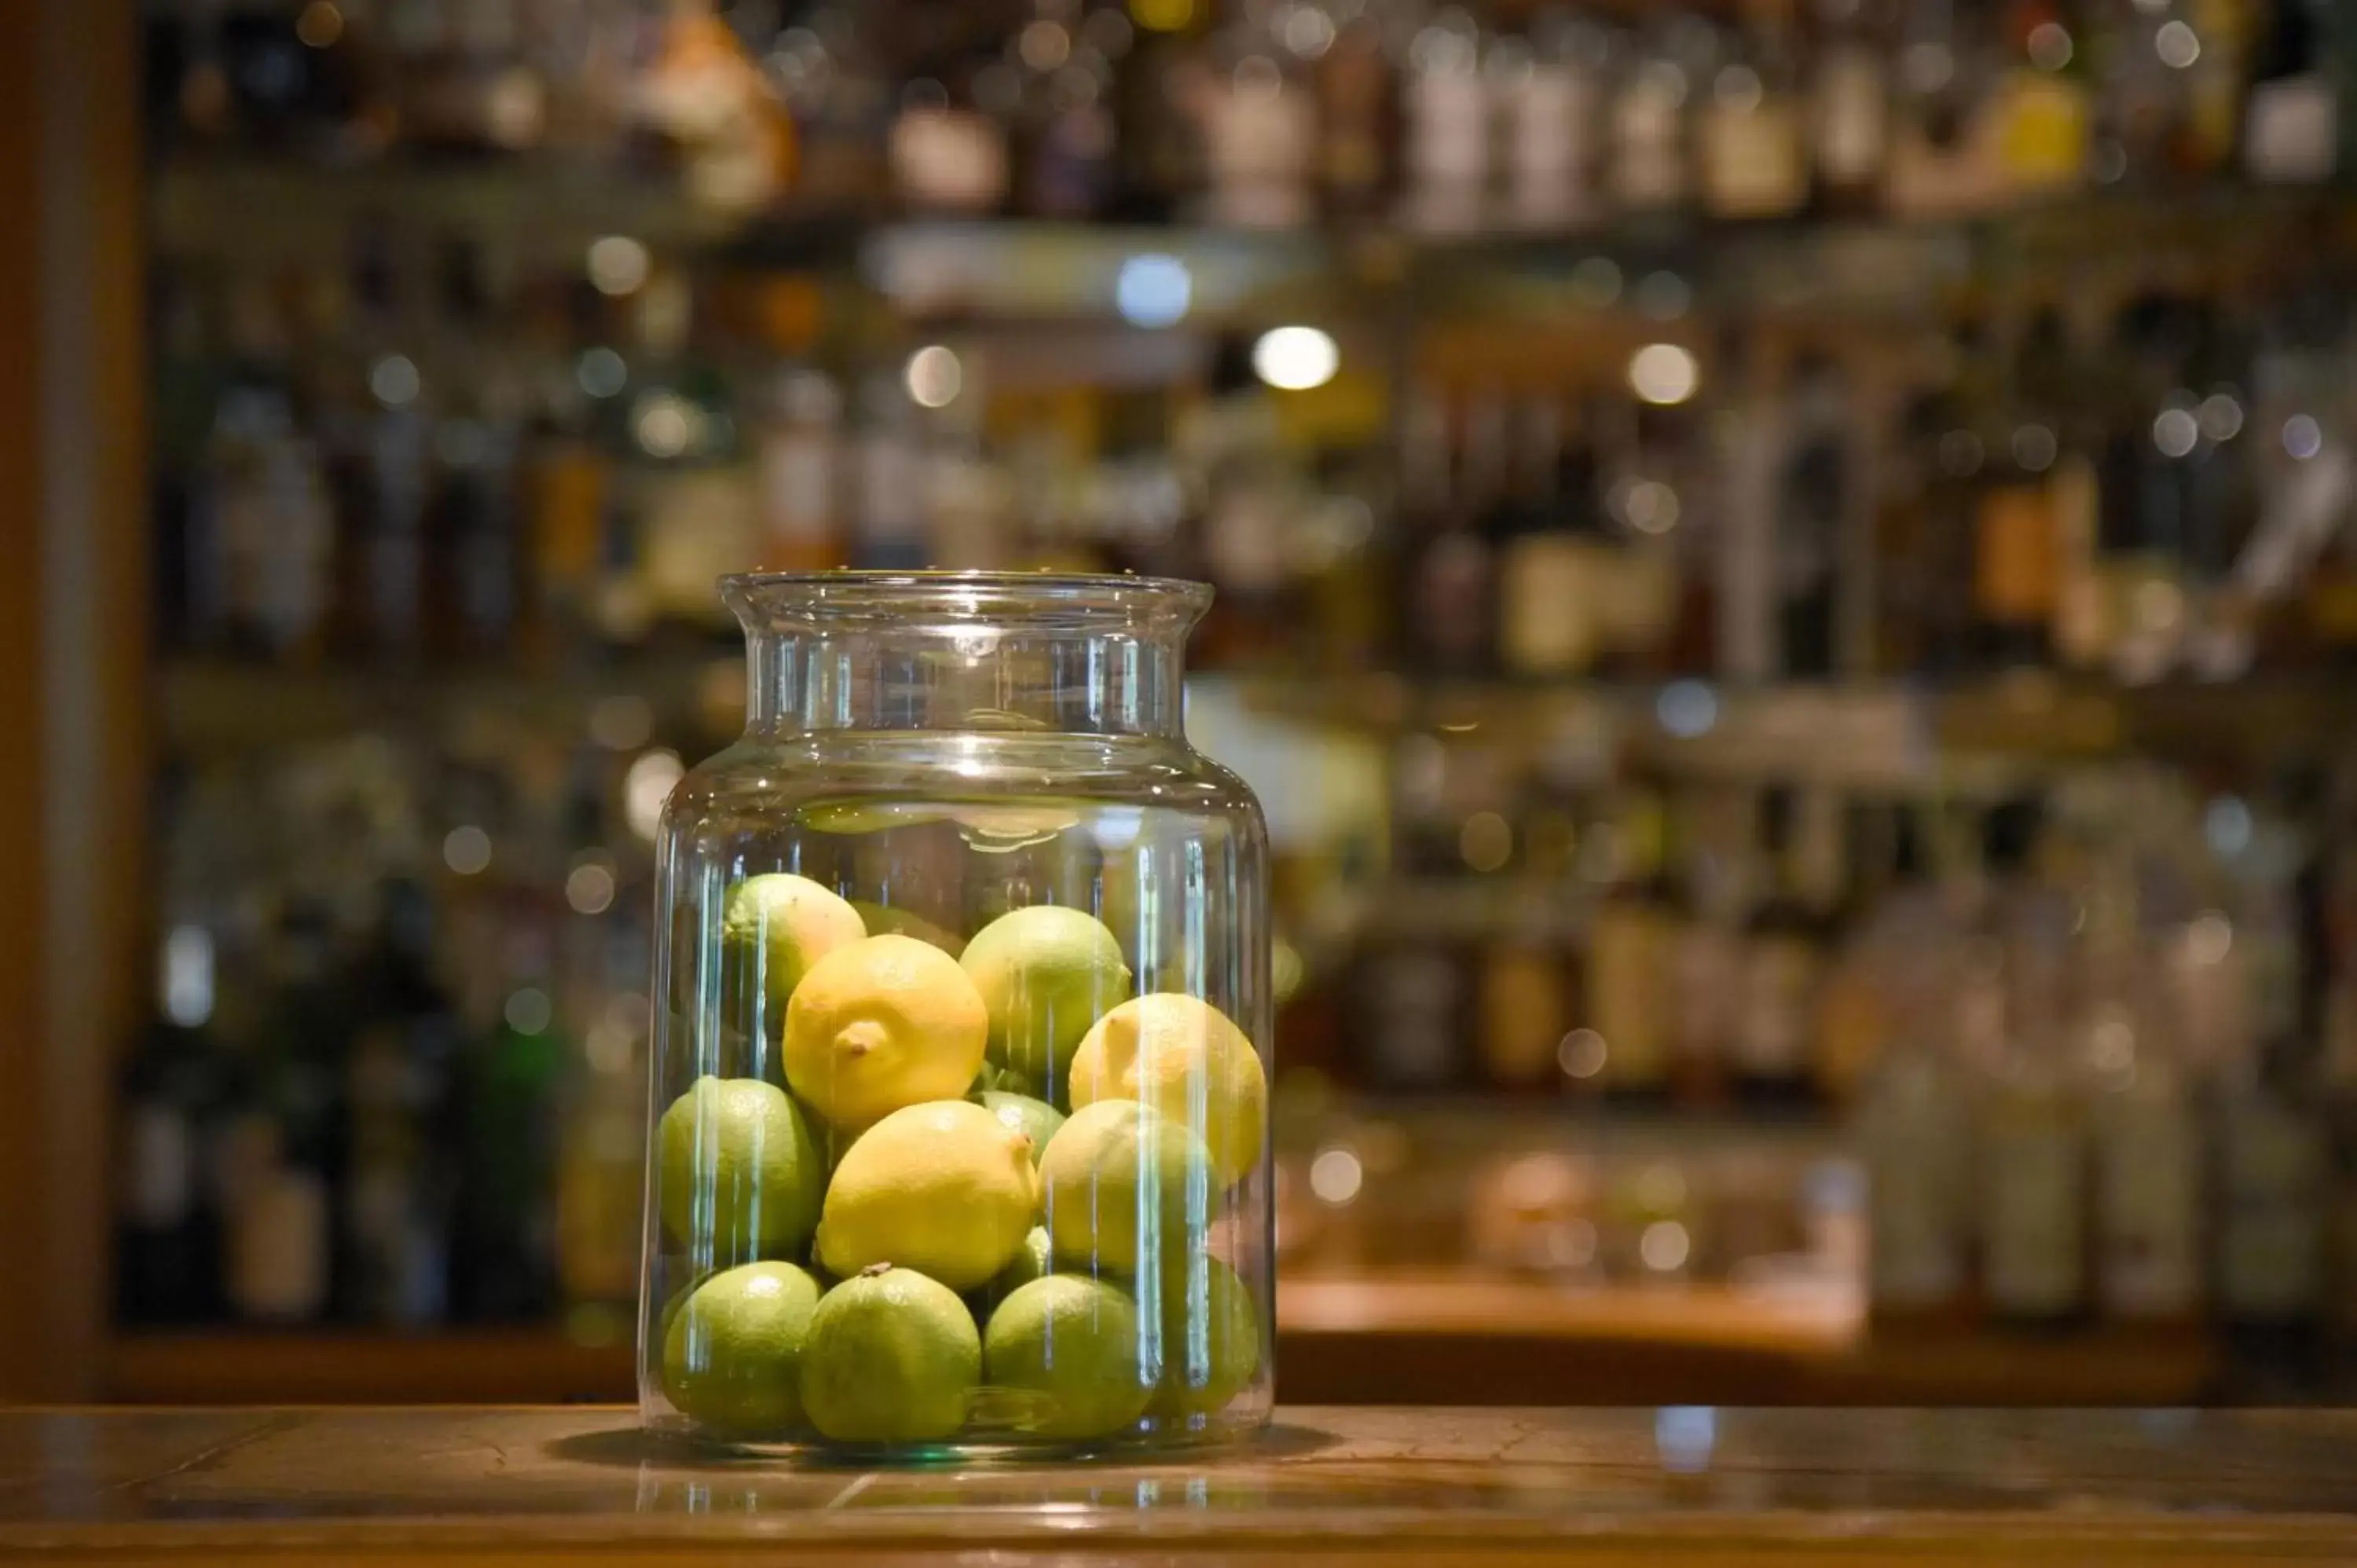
(1184, 1058)
(946, 1189)
(881, 1024)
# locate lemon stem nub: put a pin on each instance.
(872, 1270)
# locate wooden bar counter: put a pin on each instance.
(1678, 1487)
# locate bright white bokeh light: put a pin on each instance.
(665, 424)
(2176, 432)
(1336, 1176)
(2226, 825)
(2302, 437)
(2178, 45)
(467, 850)
(619, 265)
(590, 888)
(188, 976)
(1686, 709)
(1153, 290)
(393, 381)
(2220, 416)
(646, 786)
(600, 372)
(528, 1010)
(1664, 1246)
(934, 376)
(1295, 358)
(1663, 374)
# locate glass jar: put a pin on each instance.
(959, 1133)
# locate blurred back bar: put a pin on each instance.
(1785, 571)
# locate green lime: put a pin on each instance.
(1045, 974)
(741, 1175)
(944, 1188)
(1072, 1343)
(1209, 1337)
(1123, 1183)
(891, 1356)
(1034, 1260)
(732, 1354)
(775, 927)
(1035, 1119)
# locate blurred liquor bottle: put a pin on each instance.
(1753, 136)
(1554, 124)
(2145, 1135)
(1448, 148)
(398, 1200)
(2273, 1166)
(2017, 536)
(1850, 109)
(1816, 570)
(1775, 1031)
(2041, 101)
(1627, 995)
(1259, 131)
(2031, 1133)
(2292, 131)
(1159, 99)
(1525, 1005)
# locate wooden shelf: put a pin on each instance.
(1424, 1337)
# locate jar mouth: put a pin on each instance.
(1073, 601)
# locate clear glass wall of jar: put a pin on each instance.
(961, 1045)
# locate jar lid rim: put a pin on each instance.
(863, 592)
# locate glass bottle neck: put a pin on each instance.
(958, 677)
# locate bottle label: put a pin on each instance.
(2292, 131)
(1917, 1259)
(1752, 159)
(2036, 1214)
(160, 1189)
(1547, 590)
(1628, 958)
(2272, 1168)
(1853, 115)
(1522, 1017)
(1422, 998)
(2016, 566)
(1454, 595)
(1552, 147)
(699, 527)
(1649, 154)
(1771, 1036)
(798, 495)
(279, 1247)
(1708, 972)
(1448, 149)
(949, 157)
(2042, 133)
(2148, 1209)
(1258, 138)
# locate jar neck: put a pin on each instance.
(965, 678)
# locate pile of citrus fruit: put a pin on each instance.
(980, 1202)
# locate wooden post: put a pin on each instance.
(73, 615)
